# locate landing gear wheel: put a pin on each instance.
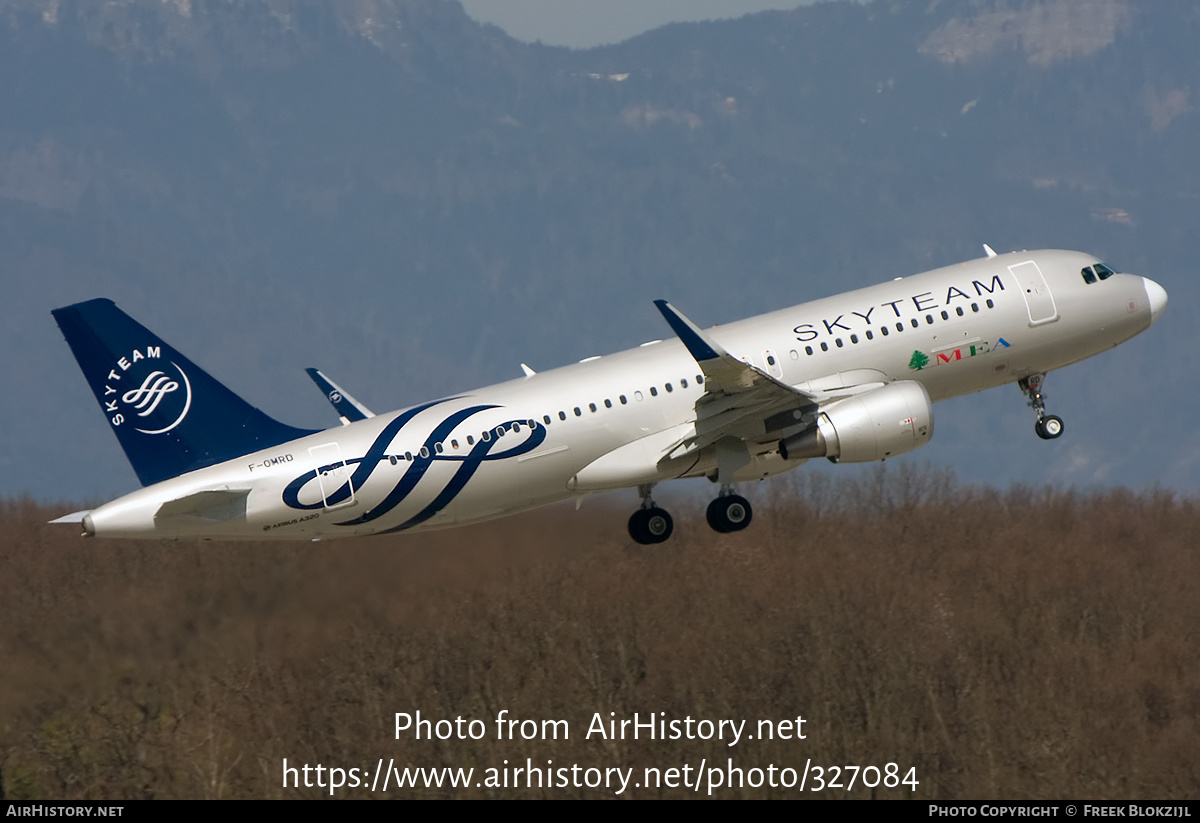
(730, 513)
(649, 526)
(1049, 427)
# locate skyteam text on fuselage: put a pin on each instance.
(851, 378)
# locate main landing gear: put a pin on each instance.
(729, 512)
(1048, 426)
(651, 524)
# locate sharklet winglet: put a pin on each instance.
(700, 346)
(349, 410)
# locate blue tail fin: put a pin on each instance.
(170, 415)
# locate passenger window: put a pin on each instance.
(454, 444)
(592, 406)
(883, 330)
(562, 415)
(770, 360)
(959, 311)
(870, 336)
(699, 379)
(990, 304)
(637, 395)
(838, 342)
(974, 307)
(546, 418)
(516, 427)
(470, 440)
(824, 346)
(392, 459)
(808, 350)
(929, 319)
(795, 356)
(915, 324)
(668, 387)
(408, 456)
(607, 403)
(945, 316)
(425, 451)
(854, 338)
(899, 327)
(623, 400)
(683, 383)
(578, 413)
(654, 391)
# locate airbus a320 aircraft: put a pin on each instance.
(851, 378)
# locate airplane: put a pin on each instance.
(851, 378)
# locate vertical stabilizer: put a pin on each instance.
(169, 415)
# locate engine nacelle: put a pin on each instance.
(887, 421)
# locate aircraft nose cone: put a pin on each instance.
(1157, 297)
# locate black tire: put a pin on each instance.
(657, 524)
(637, 528)
(650, 526)
(1049, 427)
(731, 513)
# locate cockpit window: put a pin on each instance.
(1089, 276)
(1103, 271)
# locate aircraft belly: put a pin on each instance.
(511, 485)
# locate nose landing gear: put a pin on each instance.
(1048, 426)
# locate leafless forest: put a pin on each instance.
(1027, 643)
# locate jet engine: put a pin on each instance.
(883, 422)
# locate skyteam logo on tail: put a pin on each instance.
(153, 397)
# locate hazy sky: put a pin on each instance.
(585, 23)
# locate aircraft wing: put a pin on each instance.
(349, 410)
(739, 398)
(743, 401)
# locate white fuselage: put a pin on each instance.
(602, 423)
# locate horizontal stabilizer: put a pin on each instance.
(72, 518)
(349, 409)
(212, 504)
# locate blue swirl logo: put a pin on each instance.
(483, 450)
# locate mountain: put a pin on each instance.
(417, 203)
